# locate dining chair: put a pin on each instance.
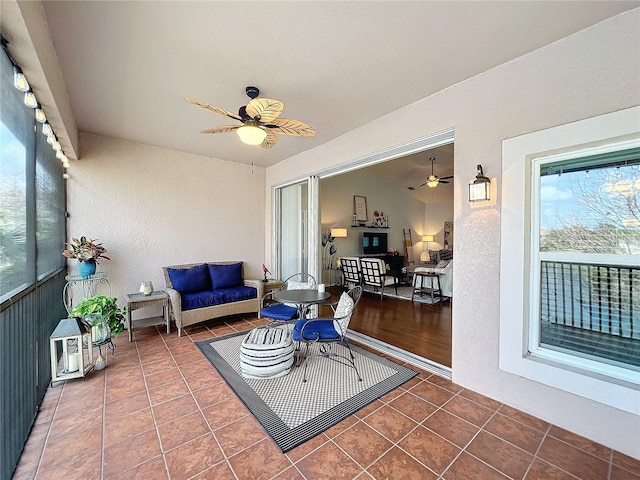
(329, 333)
(351, 275)
(374, 273)
(285, 312)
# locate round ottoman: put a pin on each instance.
(266, 353)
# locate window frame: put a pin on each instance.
(520, 259)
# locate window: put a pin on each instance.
(32, 194)
(570, 263)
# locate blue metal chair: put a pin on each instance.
(329, 331)
(282, 312)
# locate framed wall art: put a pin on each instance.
(360, 208)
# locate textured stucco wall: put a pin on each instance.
(592, 72)
(152, 207)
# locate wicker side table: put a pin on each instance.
(139, 300)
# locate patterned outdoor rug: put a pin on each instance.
(293, 412)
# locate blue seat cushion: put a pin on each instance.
(316, 330)
(225, 275)
(237, 294)
(190, 280)
(279, 311)
(201, 299)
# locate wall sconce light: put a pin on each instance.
(424, 256)
(339, 232)
(480, 188)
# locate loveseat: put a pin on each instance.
(202, 291)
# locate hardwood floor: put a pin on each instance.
(419, 328)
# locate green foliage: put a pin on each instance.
(105, 306)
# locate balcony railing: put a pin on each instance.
(591, 309)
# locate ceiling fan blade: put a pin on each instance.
(270, 140)
(265, 108)
(221, 129)
(212, 108)
(442, 181)
(446, 178)
(288, 126)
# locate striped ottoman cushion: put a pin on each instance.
(266, 353)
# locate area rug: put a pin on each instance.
(292, 411)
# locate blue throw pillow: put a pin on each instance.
(190, 280)
(225, 276)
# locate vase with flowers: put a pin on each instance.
(87, 252)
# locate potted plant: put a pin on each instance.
(87, 252)
(107, 307)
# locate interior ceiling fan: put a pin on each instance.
(433, 180)
(260, 122)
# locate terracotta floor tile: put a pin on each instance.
(541, 470)
(413, 406)
(80, 420)
(202, 380)
(390, 423)
(457, 431)
(182, 430)
(178, 407)
(626, 462)
(221, 471)
(411, 383)
(130, 452)
(239, 435)
(369, 409)
(525, 418)
(193, 457)
(573, 460)
(430, 449)
(467, 467)
(307, 447)
(225, 412)
(514, 432)
(181, 348)
(159, 366)
(363, 444)
(340, 427)
(468, 410)
(580, 442)
(149, 357)
(135, 385)
(189, 357)
(61, 450)
(197, 368)
(289, 474)
(486, 402)
(162, 378)
(168, 392)
(213, 394)
(132, 403)
(117, 377)
(79, 466)
(501, 455)
(619, 473)
(328, 463)
(444, 383)
(396, 464)
(153, 469)
(121, 427)
(432, 393)
(259, 462)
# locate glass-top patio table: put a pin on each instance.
(301, 298)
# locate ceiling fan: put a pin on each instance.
(433, 180)
(260, 122)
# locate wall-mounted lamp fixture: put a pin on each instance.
(339, 232)
(480, 188)
(424, 256)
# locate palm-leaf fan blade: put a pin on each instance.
(288, 126)
(221, 129)
(270, 140)
(212, 108)
(264, 109)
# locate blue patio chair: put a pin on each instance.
(284, 312)
(329, 331)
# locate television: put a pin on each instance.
(374, 243)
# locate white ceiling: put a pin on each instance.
(335, 65)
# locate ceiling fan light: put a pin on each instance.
(433, 183)
(251, 134)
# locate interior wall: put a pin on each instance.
(402, 210)
(592, 72)
(152, 207)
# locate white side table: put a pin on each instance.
(136, 301)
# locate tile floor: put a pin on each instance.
(160, 411)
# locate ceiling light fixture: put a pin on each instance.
(30, 99)
(251, 134)
(19, 80)
(46, 129)
(40, 117)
